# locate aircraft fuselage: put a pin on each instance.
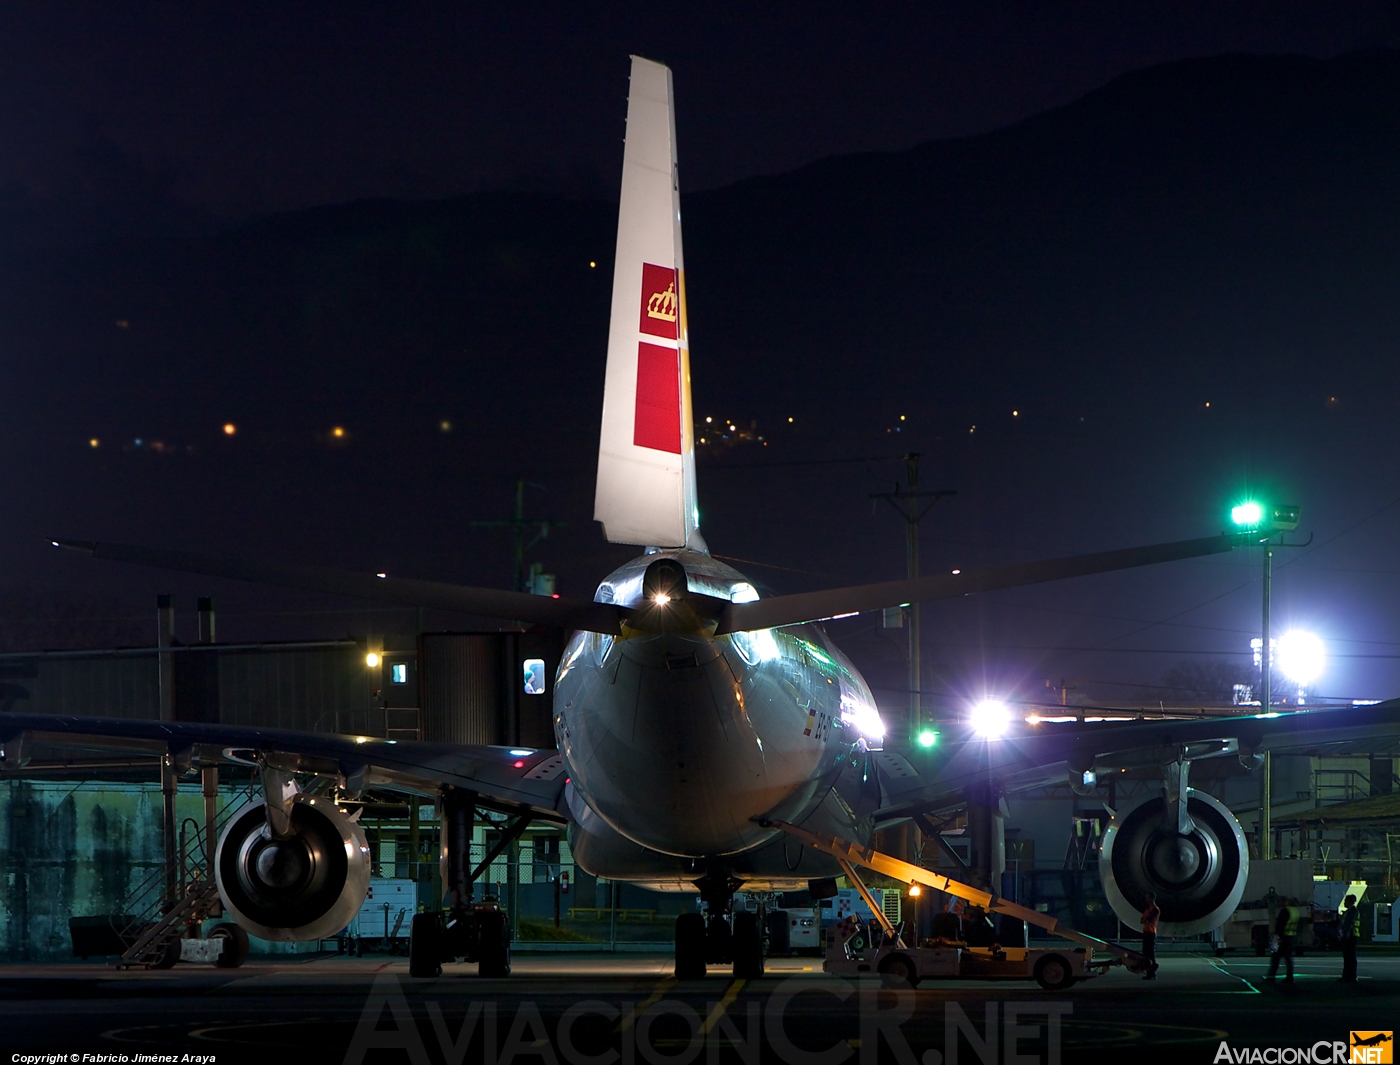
(679, 741)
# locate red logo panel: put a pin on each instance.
(661, 302)
(658, 419)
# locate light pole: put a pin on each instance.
(1264, 520)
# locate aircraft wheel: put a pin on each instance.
(747, 945)
(235, 951)
(1054, 973)
(900, 967)
(425, 945)
(494, 956)
(167, 958)
(690, 946)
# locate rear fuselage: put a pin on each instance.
(679, 742)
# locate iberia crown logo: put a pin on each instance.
(1373, 1048)
(660, 301)
(663, 304)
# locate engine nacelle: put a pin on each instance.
(1198, 878)
(305, 887)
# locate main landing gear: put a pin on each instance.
(471, 931)
(719, 936)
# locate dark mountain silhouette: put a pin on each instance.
(1220, 230)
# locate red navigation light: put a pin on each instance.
(519, 764)
(554, 595)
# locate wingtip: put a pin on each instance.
(90, 546)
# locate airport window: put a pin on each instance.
(398, 673)
(534, 676)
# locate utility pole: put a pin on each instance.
(913, 504)
(1266, 675)
(520, 528)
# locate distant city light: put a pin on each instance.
(709, 420)
(337, 432)
(789, 420)
(1300, 656)
(592, 264)
(990, 718)
(956, 572)
(230, 428)
(1015, 414)
(1247, 514)
(381, 576)
(901, 418)
(94, 442)
(1207, 403)
(445, 426)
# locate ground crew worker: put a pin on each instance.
(1150, 917)
(1286, 926)
(1349, 930)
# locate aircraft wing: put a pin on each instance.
(525, 783)
(1034, 756)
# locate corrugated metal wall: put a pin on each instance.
(466, 687)
(323, 689)
(125, 685)
(464, 691)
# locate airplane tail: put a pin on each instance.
(646, 454)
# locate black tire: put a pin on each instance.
(747, 945)
(425, 945)
(690, 947)
(169, 956)
(493, 957)
(899, 967)
(1054, 972)
(236, 946)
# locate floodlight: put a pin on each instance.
(1300, 656)
(990, 718)
(1247, 514)
(915, 890)
(371, 660)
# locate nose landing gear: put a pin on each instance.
(726, 938)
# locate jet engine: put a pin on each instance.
(305, 886)
(1198, 877)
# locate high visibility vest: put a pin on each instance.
(1290, 924)
(1351, 917)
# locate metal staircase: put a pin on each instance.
(156, 946)
(150, 920)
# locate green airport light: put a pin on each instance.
(928, 738)
(1268, 516)
(1247, 514)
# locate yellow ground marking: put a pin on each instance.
(651, 1000)
(730, 995)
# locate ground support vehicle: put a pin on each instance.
(1053, 968)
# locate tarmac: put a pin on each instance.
(628, 1008)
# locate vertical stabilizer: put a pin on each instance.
(646, 456)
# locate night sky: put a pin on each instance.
(181, 247)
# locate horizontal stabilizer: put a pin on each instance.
(485, 602)
(815, 606)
